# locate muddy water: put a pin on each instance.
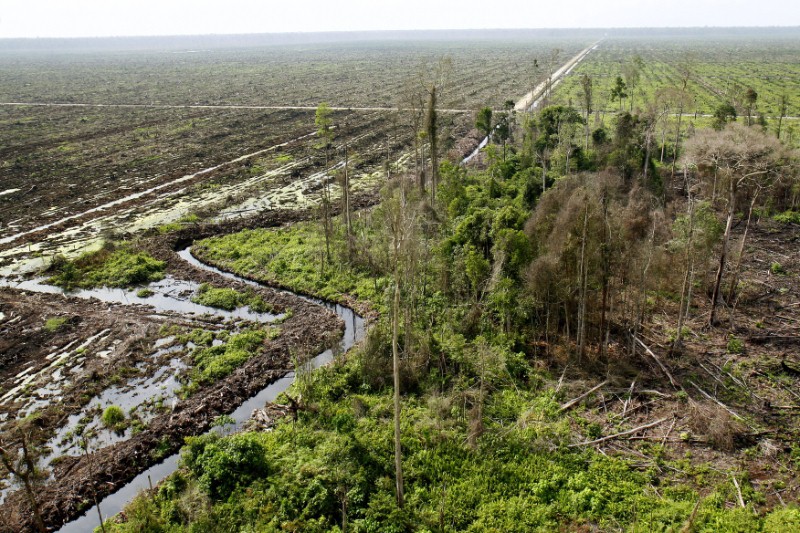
(113, 504)
(169, 295)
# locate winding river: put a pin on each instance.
(114, 503)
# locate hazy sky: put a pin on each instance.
(78, 18)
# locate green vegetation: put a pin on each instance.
(230, 299)
(114, 418)
(332, 467)
(144, 293)
(735, 345)
(115, 265)
(788, 217)
(53, 324)
(191, 218)
(291, 257)
(216, 356)
(719, 74)
(538, 260)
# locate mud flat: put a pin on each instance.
(129, 335)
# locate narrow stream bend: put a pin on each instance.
(114, 503)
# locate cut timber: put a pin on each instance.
(657, 360)
(707, 395)
(571, 403)
(624, 433)
(738, 490)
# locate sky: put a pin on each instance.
(100, 18)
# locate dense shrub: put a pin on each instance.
(223, 464)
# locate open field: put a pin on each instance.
(59, 161)
(349, 74)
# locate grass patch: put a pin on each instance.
(191, 218)
(119, 265)
(113, 418)
(292, 257)
(54, 323)
(217, 355)
(230, 299)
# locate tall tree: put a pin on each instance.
(783, 107)
(323, 120)
(483, 121)
(346, 207)
(724, 114)
(750, 99)
(618, 91)
(402, 224)
(586, 99)
(432, 131)
(632, 70)
(503, 127)
(682, 98)
(694, 234)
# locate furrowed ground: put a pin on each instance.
(64, 160)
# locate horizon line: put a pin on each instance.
(396, 31)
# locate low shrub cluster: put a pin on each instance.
(230, 299)
(115, 265)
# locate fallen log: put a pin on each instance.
(657, 360)
(573, 402)
(622, 434)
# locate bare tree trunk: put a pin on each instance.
(581, 333)
(433, 134)
(347, 214)
(723, 254)
(664, 139)
(606, 276)
(677, 141)
(326, 209)
(686, 289)
(737, 268)
(641, 301)
(398, 457)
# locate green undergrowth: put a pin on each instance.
(230, 299)
(788, 217)
(217, 354)
(337, 459)
(293, 257)
(114, 265)
(464, 286)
